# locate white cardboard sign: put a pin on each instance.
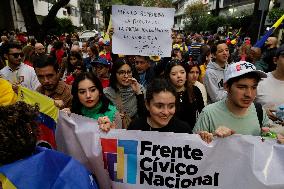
(142, 31)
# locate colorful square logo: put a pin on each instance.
(120, 159)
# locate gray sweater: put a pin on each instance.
(213, 82)
(128, 99)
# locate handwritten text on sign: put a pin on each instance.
(142, 31)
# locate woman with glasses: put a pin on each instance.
(125, 92)
(189, 97)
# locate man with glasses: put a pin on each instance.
(16, 71)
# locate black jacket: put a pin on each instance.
(186, 111)
(175, 125)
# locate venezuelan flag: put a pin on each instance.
(48, 115)
(46, 169)
(261, 42)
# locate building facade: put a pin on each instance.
(41, 8)
(235, 8)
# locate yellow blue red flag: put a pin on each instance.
(48, 115)
(261, 42)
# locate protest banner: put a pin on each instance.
(124, 159)
(142, 31)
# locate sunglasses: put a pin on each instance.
(16, 55)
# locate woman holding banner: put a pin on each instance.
(161, 106)
(90, 101)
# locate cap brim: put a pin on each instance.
(260, 73)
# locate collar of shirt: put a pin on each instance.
(11, 70)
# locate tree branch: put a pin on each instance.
(27, 9)
(55, 8)
(50, 18)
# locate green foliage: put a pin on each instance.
(63, 25)
(275, 14)
(211, 23)
(87, 13)
(126, 2)
(157, 3)
(196, 14)
(214, 22)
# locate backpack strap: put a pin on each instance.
(259, 112)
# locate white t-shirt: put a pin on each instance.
(202, 88)
(270, 91)
(24, 74)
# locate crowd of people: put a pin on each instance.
(212, 85)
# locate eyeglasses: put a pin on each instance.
(123, 72)
(16, 55)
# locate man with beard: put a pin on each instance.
(16, 72)
(39, 49)
(236, 113)
(47, 71)
(214, 75)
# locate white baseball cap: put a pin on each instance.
(241, 68)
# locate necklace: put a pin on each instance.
(180, 96)
(149, 123)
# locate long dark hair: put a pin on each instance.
(189, 87)
(156, 86)
(204, 52)
(18, 131)
(159, 85)
(76, 104)
(118, 64)
(70, 67)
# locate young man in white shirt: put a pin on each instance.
(270, 91)
(16, 71)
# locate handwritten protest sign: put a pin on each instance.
(149, 160)
(142, 31)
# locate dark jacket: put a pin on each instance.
(186, 111)
(175, 125)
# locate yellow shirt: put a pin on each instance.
(7, 95)
(203, 71)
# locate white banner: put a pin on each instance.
(142, 31)
(124, 159)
